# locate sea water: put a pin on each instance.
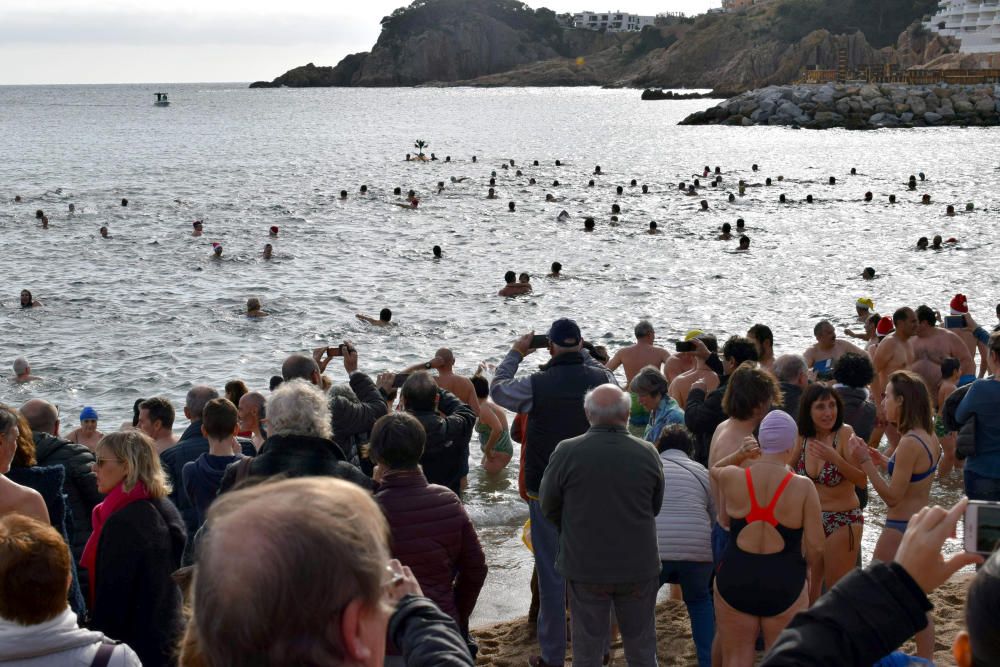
(148, 312)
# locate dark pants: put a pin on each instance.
(978, 487)
(695, 581)
(635, 609)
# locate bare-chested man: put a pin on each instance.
(384, 318)
(894, 353)
(462, 388)
(932, 345)
(22, 371)
(681, 363)
(512, 287)
(634, 358)
(960, 307)
(824, 354)
(763, 338)
(681, 385)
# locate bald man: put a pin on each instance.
(250, 415)
(610, 479)
(76, 460)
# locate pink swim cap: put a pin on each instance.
(777, 432)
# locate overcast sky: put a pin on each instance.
(138, 41)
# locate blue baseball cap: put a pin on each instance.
(564, 332)
(88, 413)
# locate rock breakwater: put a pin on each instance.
(857, 106)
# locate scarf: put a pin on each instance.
(116, 500)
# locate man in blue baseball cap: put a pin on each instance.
(87, 434)
(553, 398)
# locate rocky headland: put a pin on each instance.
(507, 43)
(859, 107)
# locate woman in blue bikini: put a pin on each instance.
(911, 469)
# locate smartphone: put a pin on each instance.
(335, 351)
(982, 526)
(538, 342)
(399, 379)
(954, 321)
(684, 346)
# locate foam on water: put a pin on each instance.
(147, 312)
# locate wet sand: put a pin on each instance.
(512, 643)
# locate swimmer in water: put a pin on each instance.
(755, 167)
(590, 183)
(17, 199)
(767, 181)
(556, 270)
(411, 203)
(868, 196)
(511, 206)
(597, 170)
(925, 199)
(652, 228)
(563, 216)
(384, 319)
(397, 191)
(892, 199)
(45, 222)
(555, 184)
(619, 190)
(691, 192)
(782, 199)
(216, 251)
(740, 224)
(39, 214)
(588, 225)
(833, 181)
(922, 243)
(254, 308)
(104, 233)
(525, 279)
(732, 197)
(512, 287)
(936, 243)
(854, 172)
(28, 301)
(124, 202)
(343, 195)
(809, 199)
(744, 242)
(268, 251)
(950, 211)
(459, 179)
(437, 252)
(615, 209)
(727, 232)
(198, 228)
(970, 206)
(704, 205)
(72, 208)
(364, 189)
(864, 307)
(645, 189)
(868, 273)
(491, 194)
(273, 232)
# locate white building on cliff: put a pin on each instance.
(975, 23)
(616, 21)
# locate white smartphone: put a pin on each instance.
(982, 526)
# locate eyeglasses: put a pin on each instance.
(392, 577)
(100, 462)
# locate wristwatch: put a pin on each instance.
(427, 365)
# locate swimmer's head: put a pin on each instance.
(512, 162)
(681, 186)
(652, 225)
(922, 243)
(511, 206)
(614, 218)
(950, 211)
(809, 199)
(925, 199)
(615, 208)
(732, 197)
(534, 163)
(892, 199)
(253, 304)
(524, 278)
(385, 315)
(718, 170)
(343, 194)
(633, 183)
(518, 173)
(767, 181)
(531, 181)
(922, 177)
(556, 268)
(555, 184)
(274, 230)
(124, 202)
(744, 242)
(781, 198)
(39, 214)
(198, 225)
(833, 180)
(868, 273)
(72, 207)
(17, 199)
(436, 250)
(970, 206)
(726, 228)
(440, 185)
(854, 172)
(864, 306)
(397, 191)
(491, 192)
(26, 299)
(509, 277)
(868, 196)
(473, 158)
(619, 190)
(550, 197)
(704, 204)
(740, 223)
(104, 232)
(558, 163)
(755, 167)
(645, 189)
(364, 189)
(493, 181)
(597, 169)
(268, 251)
(590, 183)
(937, 241)
(588, 224)
(217, 249)
(697, 183)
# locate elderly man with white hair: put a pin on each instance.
(22, 371)
(603, 490)
(299, 440)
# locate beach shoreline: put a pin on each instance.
(511, 642)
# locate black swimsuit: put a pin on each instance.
(762, 584)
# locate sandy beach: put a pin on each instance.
(511, 643)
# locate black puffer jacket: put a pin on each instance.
(80, 485)
(427, 636)
(298, 456)
(353, 421)
(449, 428)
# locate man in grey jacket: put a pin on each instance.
(603, 491)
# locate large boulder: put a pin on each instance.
(870, 92)
(932, 118)
(916, 104)
(985, 106)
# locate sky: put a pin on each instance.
(176, 41)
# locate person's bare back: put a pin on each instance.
(681, 385)
(636, 357)
(21, 499)
(933, 346)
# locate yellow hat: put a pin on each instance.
(866, 303)
(694, 333)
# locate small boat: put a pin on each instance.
(161, 100)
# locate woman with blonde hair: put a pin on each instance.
(136, 545)
(907, 406)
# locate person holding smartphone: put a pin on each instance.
(982, 469)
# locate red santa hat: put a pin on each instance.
(959, 305)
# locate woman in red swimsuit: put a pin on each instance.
(763, 579)
(821, 455)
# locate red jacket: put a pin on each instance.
(432, 534)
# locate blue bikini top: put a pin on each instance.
(916, 477)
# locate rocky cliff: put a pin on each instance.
(506, 43)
